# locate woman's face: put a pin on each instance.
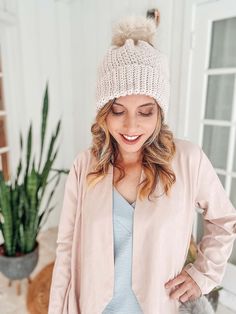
(132, 120)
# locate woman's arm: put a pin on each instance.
(219, 216)
(62, 268)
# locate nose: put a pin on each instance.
(130, 123)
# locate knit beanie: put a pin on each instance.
(133, 64)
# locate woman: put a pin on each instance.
(130, 199)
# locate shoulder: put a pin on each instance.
(187, 152)
(185, 147)
(83, 156)
(82, 161)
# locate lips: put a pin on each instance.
(130, 139)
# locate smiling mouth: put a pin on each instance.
(130, 139)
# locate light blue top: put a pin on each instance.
(124, 300)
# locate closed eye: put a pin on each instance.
(146, 114)
(117, 113)
(141, 113)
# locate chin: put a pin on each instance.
(130, 148)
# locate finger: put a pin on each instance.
(195, 283)
(176, 281)
(186, 296)
(181, 290)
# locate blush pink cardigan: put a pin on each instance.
(83, 274)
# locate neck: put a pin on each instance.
(128, 159)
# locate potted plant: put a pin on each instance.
(21, 212)
(212, 296)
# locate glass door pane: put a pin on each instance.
(234, 158)
(215, 144)
(219, 101)
(223, 44)
(233, 192)
(222, 179)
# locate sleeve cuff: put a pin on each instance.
(205, 284)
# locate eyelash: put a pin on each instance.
(143, 114)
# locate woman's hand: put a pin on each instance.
(187, 289)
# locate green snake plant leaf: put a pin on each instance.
(28, 157)
(32, 187)
(45, 213)
(43, 124)
(29, 148)
(7, 226)
(19, 168)
(49, 162)
(58, 171)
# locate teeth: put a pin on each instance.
(130, 138)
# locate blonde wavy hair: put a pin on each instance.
(157, 153)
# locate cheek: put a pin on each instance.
(112, 124)
(149, 124)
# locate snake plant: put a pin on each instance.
(22, 213)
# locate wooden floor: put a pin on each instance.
(13, 304)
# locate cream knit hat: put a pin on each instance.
(133, 65)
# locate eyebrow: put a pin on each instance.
(147, 104)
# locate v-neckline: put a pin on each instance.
(132, 204)
(111, 172)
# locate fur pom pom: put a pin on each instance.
(136, 28)
(198, 306)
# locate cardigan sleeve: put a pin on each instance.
(219, 221)
(61, 275)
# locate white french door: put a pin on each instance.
(211, 118)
